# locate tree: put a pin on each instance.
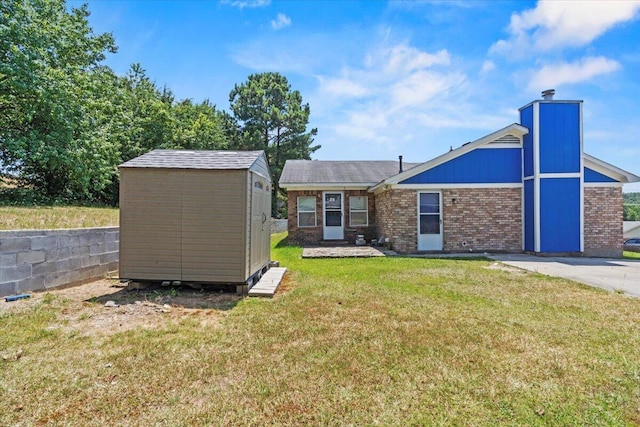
(147, 115)
(50, 78)
(631, 206)
(198, 126)
(272, 117)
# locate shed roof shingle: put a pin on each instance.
(194, 159)
(339, 172)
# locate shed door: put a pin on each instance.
(333, 216)
(259, 245)
(429, 222)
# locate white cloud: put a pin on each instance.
(249, 4)
(557, 24)
(395, 95)
(422, 86)
(343, 87)
(487, 67)
(568, 73)
(280, 22)
(403, 58)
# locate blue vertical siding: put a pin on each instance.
(592, 176)
(560, 137)
(560, 215)
(485, 165)
(526, 120)
(529, 216)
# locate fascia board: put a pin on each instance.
(327, 186)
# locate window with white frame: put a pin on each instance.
(306, 211)
(358, 212)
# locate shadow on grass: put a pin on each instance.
(445, 257)
(215, 298)
(284, 242)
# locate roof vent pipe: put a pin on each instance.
(400, 160)
(547, 95)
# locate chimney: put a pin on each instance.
(400, 160)
(547, 95)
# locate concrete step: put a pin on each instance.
(268, 283)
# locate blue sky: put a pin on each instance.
(400, 77)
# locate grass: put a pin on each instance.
(21, 218)
(632, 255)
(392, 341)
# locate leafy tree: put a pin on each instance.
(272, 117)
(49, 76)
(199, 126)
(146, 114)
(631, 206)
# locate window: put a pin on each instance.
(306, 211)
(358, 212)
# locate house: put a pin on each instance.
(527, 187)
(195, 216)
(631, 229)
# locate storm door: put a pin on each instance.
(333, 206)
(429, 221)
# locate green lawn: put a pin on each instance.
(392, 341)
(53, 217)
(629, 254)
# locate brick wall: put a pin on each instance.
(308, 236)
(487, 219)
(41, 259)
(303, 236)
(370, 231)
(396, 215)
(603, 221)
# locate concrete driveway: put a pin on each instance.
(606, 273)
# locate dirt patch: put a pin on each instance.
(107, 307)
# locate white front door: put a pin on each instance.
(332, 206)
(430, 221)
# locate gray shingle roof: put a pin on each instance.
(194, 159)
(333, 172)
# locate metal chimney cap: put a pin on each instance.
(548, 94)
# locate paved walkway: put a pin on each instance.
(619, 275)
(342, 252)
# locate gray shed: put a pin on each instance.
(195, 216)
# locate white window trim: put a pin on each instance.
(365, 210)
(315, 212)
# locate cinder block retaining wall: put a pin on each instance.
(278, 225)
(41, 259)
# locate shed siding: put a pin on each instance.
(150, 226)
(213, 233)
(560, 149)
(261, 167)
(496, 165)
